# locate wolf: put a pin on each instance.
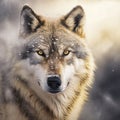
(51, 69)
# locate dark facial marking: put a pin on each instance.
(53, 47)
(26, 51)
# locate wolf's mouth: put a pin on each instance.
(54, 91)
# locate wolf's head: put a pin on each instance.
(54, 51)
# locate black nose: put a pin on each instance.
(54, 83)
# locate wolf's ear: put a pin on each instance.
(74, 20)
(29, 21)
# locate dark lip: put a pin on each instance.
(54, 91)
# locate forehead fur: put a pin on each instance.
(54, 37)
(54, 31)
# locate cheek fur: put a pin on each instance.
(79, 65)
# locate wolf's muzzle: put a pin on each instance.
(54, 84)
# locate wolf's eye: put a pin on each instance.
(40, 52)
(66, 52)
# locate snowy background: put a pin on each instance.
(103, 36)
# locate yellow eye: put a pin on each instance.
(40, 52)
(66, 52)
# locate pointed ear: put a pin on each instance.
(74, 20)
(29, 21)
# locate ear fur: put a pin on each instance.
(74, 20)
(29, 21)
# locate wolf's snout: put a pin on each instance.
(54, 83)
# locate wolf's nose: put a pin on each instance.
(54, 83)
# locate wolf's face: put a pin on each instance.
(54, 52)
